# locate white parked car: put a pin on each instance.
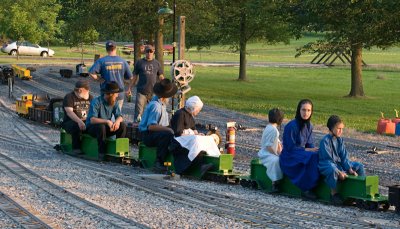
(26, 48)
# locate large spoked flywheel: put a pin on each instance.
(182, 71)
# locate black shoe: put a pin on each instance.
(309, 195)
(205, 168)
(274, 188)
(336, 199)
(159, 167)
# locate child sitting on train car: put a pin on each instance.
(154, 125)
(271, 148)
(334, 163)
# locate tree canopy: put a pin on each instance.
(33, 20)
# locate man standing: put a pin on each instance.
(76, 106)
(149, 72)
(154, 125)
(99, 121)
(112, 68)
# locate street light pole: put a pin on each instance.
(173, 34)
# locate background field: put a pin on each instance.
(282, 87)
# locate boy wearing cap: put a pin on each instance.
(112, 68)
(76, 106)
(154, 125)
(99, 121)
(149, 71)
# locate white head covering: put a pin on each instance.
(193, 102)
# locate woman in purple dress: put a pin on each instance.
(299, 157)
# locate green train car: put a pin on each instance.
(222, 170)
(117, 149)
(361, 191)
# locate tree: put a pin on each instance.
(348, 25)
(201, 22)
(33, 20)
(241, 21)
(77, 30)
(123, 20)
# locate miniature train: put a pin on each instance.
(40, 108)
(361, 191)
(117, 149)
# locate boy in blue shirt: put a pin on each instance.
(334, 163)
(155, 121)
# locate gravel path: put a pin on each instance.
(142, 206)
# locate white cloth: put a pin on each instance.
(197, 143)
(270, 138)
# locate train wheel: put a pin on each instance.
(361, 204)
(254, 184)
(244, 183)
(385, 206)
(373, 206)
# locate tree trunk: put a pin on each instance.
(136, 49)
(242, 48)
(159, 43)
(357, 89)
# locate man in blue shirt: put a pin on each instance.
(155, 121)
(112, 68)
(102, 110)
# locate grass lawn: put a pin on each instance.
(284, 87)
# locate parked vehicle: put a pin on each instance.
(26, 48)
(128, 49)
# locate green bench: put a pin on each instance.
(117, 148)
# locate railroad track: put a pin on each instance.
(21, 128)
(20, 215)
(64, 196)
(254, 213)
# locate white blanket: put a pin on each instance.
(197, 143)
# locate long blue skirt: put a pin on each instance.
(301, 167)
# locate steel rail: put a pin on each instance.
(21, 216)
(65, 196)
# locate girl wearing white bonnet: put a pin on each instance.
(187, 144)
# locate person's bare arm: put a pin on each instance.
(75, 118)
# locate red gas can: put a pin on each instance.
(382, 125)
(390, 127)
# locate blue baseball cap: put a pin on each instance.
(110, 44)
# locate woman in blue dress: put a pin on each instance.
(299, 157)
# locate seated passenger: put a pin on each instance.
(76, 106)
(188, 144)
(334, 163)
(271, 148)
(154, 124)
(104, 118)
(299, 157)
